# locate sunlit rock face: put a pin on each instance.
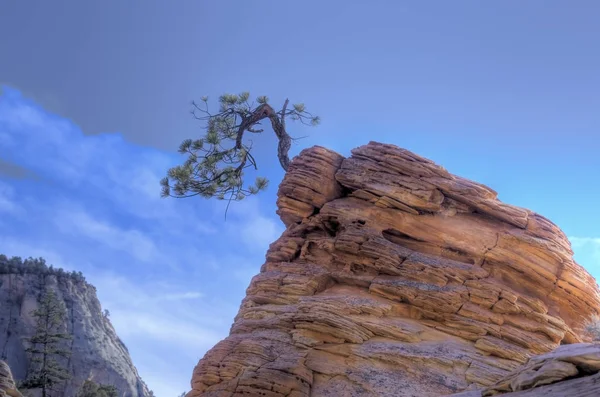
(396, 278)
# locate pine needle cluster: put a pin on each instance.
(216, 162)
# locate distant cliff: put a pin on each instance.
(97, 353)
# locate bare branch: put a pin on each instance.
(285, 104)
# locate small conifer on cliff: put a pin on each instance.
(47, 346)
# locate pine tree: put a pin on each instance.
(93, 389)
(216, 163)
(46, 345)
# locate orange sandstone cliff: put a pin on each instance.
(396, 278)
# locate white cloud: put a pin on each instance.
(45, 135)
(171, 272)
(14, 247)
(181, 296)
(8, 203)
(160, 314)
(153, 326)
(259, 231)
(167, 386)
(256, 230)
(581, 241)
(172, 328)
(23, 116)
(587, 253)
(135, 242)
(126, 175)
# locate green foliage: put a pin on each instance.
(47, 345)
(16, 265)
(216, 162)
(93, 389)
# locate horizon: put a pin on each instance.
(94, 102)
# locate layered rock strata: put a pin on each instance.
(396, 278)
(7, 383)
(570, 370)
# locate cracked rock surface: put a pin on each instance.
(396, 278)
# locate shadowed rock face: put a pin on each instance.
(396, 278)
(97, 353)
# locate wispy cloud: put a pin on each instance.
(159, 265)
(580, 241)
(155, 313)
(15, 247)
(257, 230)
(587, 252)
(14, 171)
(181, 296)
(172, 328)
(133, 241)
(8, 201)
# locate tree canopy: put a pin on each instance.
(93, 389)
(17, 265)
(216, 162)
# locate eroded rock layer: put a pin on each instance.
(396, 278)
(7, 383)
(570, 370)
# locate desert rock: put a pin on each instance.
(7, 383)
(396, 278)
(569, 370)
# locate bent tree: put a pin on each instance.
(216, 162)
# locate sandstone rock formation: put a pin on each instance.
(570, 370)
(7, 383)
(97, 353)
(396, 278)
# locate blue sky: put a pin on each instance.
(95, 103)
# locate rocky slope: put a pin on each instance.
(396, 278)
(97, 353)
